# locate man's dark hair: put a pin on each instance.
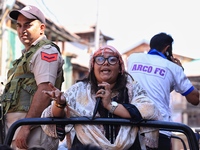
(160, 41)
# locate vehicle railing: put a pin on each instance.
(162, 125)
(198, 135)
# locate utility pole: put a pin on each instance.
(97, 30)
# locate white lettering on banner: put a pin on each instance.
(149, 69)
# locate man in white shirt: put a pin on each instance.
(159, 73)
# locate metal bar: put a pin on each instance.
(168, 126)
(176, 137)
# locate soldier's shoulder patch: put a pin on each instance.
(49, 57)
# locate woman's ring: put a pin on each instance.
(53, 99)
(103, 92)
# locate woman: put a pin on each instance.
(120, 97)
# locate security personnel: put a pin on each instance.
(40, 64)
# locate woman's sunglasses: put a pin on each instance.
(112, 60)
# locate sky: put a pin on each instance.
(130, 22)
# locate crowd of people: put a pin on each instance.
(142, 92)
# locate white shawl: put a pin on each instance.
(82, 104)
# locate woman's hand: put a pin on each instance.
(59, 101)
(55, 94)
(105, 94)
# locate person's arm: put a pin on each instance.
(129, 111)
(58, 108)
(40, 101)
(124, 110)
(193, 97)
(118, 111)
(105, 95)
(184, 86)
(59, 103)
